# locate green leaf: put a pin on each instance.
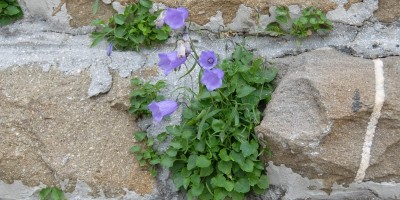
(196, 190)
(146, 3)
(242, 186)
(171, 152)
(223, 154)
(247, 166)
(244, 91)
(217, 125)
(167, 161)
(161, 35)
(175, 144)
(229, 186)
(44, 193)
(236, 195)
(173, 130)
(192, 162)
(199, 146)
(220, 194)
(178, 180)
(202, 161)
(206, 171)
(162, 136)
(12, 10)
(263, 182)
(3, 4)
(248, 148)
(186, 134)
(225, 167)
(119, 32)
(136, 148)
(57, 194)
(140, 136)
(282, 19)
(119, 19)
(237, 157)
(218, 181)
(195, 179)
(95, 6)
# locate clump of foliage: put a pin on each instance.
(312, 20)
(9, 11)
(143, 95)
(215, 153)
(133, 29)
(52, 193)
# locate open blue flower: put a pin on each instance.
(170, 61)
(208, 59)
(109, 49)
(212, 79)
(162, 109)
(175, 17)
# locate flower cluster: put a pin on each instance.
(212, 77)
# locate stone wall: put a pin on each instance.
(63, 105)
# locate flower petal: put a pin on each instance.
(161, 109)
(175, 18)
(212, 79)
(208, 59)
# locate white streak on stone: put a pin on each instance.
(376, 114)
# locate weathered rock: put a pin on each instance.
(389, 10)
(316, 121)
(52, 133)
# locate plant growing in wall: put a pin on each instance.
(214, 152)
(132, 30)
(311, 21)
(9, 11)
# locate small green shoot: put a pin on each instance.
(312, 20)
(51, 193)
(133, 29)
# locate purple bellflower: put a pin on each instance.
(109, 49)
(212, 79)
(162, 109)
(175, 17)
(208, 59)
(170, 61)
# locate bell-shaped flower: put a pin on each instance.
(212, 79)
(162, 109)
(109, 49)
(175, 17)
(208, 59)
(170, 61)
(160, 19)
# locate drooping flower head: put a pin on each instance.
(208, 59)
(181, 48)
(212, 79)
(109, 49)
(175, 17)
(160, 19)
(186, 39)
(162, 109)
(170, 61)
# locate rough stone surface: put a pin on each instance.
(52, 132)
(389, 10)
(317, 118)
